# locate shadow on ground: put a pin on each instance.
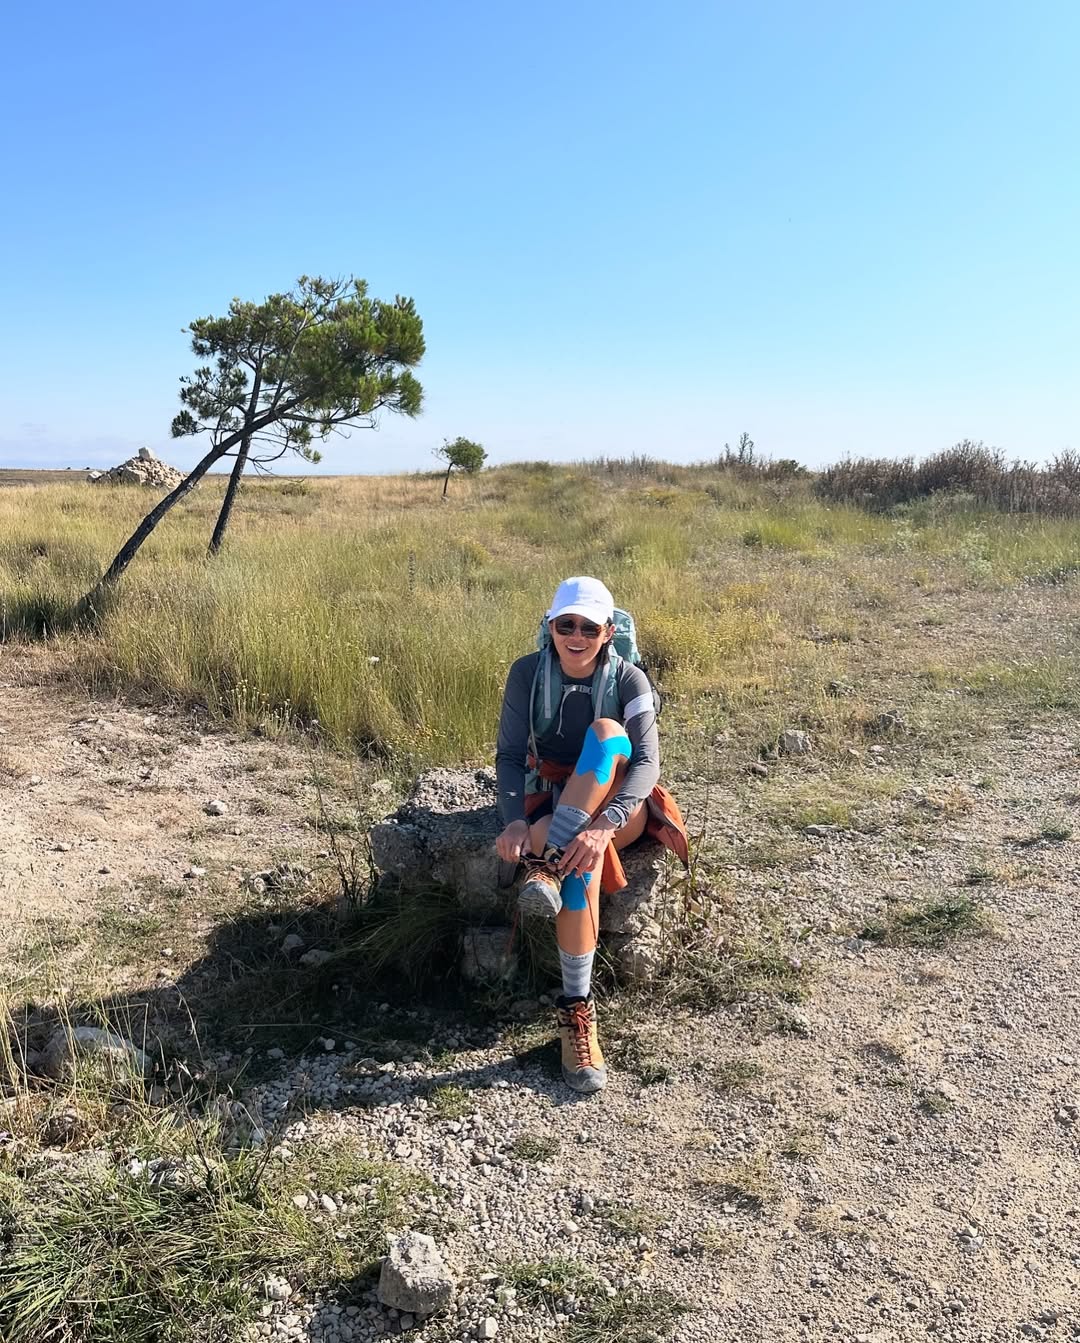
(209, 1030)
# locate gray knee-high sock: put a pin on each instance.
(565, 824)
(576, 973)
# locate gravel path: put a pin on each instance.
(915, 1149)
(902, 1165)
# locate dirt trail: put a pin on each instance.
(96, 795)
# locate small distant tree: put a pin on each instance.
(462, 453)
(279, 374)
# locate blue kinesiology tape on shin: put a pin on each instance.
(599, 757)
(573, 891)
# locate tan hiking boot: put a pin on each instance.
(583, 1065)
(541, 891)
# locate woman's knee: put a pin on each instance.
(607, 727)
(633, 829)
(606, 748)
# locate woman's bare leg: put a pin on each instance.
(577, 929)
(596, 779)
(604, 757)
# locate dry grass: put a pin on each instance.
(750, 1183)
(365, 605)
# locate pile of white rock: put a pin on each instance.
(142, 469)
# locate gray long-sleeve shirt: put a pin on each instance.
(563, 741)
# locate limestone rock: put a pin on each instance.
(646, 885)
(445, 833)
(486, 955)
(414, 1276)
(794, 742)
(315, 958)
(106, 1051)
(639, 954)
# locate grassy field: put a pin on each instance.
(390, 616)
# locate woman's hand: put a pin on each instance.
(587, 849)
(513, 840)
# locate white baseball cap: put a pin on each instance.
(583, 597)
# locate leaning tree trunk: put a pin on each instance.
(230, 498)
(446, 480)
(127, 552)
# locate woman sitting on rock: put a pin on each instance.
(578, 760)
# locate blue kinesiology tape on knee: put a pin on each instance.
(565, 824)
(573, 891)
(599, 757)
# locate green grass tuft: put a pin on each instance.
(628, 1221)
(450, 1102)
(543, 1282)
(117, 1258)
(710, 970)
(733, 1073)
(634, 1316)
(934, 924)
(535, 1147)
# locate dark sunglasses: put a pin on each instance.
(565, 626)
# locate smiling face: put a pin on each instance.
(579, 650)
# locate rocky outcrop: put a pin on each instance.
(445, 834)
(142, 469)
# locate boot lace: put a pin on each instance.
(536, 867)
(580, 1022)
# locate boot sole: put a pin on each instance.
(539, 904)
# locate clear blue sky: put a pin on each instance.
(845, 227)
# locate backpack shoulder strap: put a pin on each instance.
(541, 695)
(607, 702)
